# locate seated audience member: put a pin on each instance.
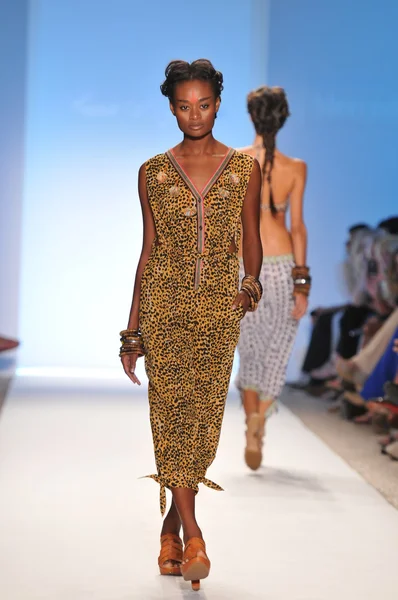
(365, 353)
(360, 366)
(319, 359)
(357, 369)
(371, 261)
(389, 225)
(379, 394)
(389, 442)
(376, 365)
(384, 371)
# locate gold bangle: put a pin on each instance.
(126, 332)
(301, 280)
(140, 350)
(132, 343)
(302, 289)
(254, 286)
(135, 351)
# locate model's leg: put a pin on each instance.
(250, 344)
(251, 405)
(172, 521)
(281, 332)
(264, 408)
(169, 370)
(214, 340)
(195, 562)
(264, 328)
(252, 350)
(170, 557)
(184, 500)
(250, 402)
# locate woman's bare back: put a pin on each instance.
(288, 182)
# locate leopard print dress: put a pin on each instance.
(189, 328)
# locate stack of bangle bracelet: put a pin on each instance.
(131, 342)
(301, 280)
(253, 288)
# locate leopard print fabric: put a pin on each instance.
(188, 326)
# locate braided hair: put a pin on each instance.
(180, 70)
(269, 110)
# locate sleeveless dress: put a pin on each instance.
(189, 329)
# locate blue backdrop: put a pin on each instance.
(337, 61)
(95, 113)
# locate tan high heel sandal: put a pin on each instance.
(261, 431)
(170, 553)
(194, 567)
(253, 453)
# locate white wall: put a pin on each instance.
(13, 41)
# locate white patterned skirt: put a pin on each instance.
(267, 335)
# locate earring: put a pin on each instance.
(215, 115)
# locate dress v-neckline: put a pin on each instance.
(184, 175)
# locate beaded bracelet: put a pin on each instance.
(253, 288)
(131, 342)
(301, 280)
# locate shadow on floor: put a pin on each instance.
(355, 444)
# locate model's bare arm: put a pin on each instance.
(299, 232)
(129, 360)
(147, 241)
(251, 246)
(297, 225)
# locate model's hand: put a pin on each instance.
(129, 361)
(300, 306)
(241, 299)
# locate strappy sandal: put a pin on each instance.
(261, 431)
(194, 567)
(170, 556)
(253, 454)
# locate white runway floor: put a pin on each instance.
(77, 523)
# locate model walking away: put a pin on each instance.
(267, 336)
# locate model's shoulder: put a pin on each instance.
(300, 167)
(295, 163)
(246, 150)
(299, 163)
(296, 166)
(156, 160)
(243, 158)
(156, 166)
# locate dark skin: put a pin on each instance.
(194, 106)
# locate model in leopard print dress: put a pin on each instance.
(195, 199)
(189, 328)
